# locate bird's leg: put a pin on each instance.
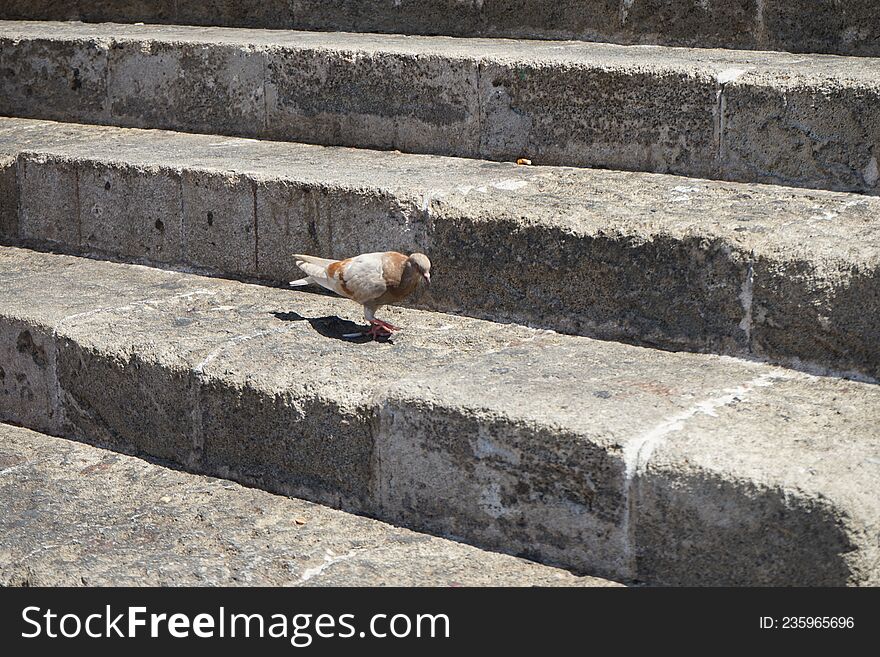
(378, 328)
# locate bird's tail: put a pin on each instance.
(314, 267)
(302, 282)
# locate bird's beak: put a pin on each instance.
(427, 278)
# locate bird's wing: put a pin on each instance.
(318, 270)
(393, 264)
(362, 277)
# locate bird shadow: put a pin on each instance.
(333, 327)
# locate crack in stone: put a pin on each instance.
(722, 79)
(482, 143)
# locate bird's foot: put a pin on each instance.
(378, 330)
(390, 328)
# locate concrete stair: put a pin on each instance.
(757, 271)
(799, 120)
(720, 204)
(78, 515)
(623, 462)
(844, 27)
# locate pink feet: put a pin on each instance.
(380, 329)
(391, 328)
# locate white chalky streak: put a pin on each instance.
(128, 306)
(329, 560)
(746, 297)
(13, 468)
(729, 75)
(200, 368)
(637, 452)
(510, 185)
(872, 172)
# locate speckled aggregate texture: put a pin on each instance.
(800, 120)
(586, 454)
(649, 355)
(754, 270)
(843, 27)
(77, 515)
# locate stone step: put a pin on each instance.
(762, 271)
(799, 120)
(844, 27)
(78, 515)
(618, 461)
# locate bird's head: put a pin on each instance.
(422, 265)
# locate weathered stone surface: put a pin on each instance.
(106, 373)
(120, 399)
(825, 121)
(211, 88)
(845, 27)
(561, 19)
(19, 135)
(67, 80)
(288, 216)
(374, 98)
(43, 10)
(700, 113)
(27, 375)
(697, 23)
(131, 212)
(774, 272)
(338, 221)
(8, 197)
(146, 11)
(526, 441)
(48, 200)
(29, 350)
(272, 14)
(834, 442)
(835, 311)
(78, 515)
(219, 231)
(594, 114)
(526, 445)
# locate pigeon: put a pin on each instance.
(371, 279)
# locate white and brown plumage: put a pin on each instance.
(371, 279)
